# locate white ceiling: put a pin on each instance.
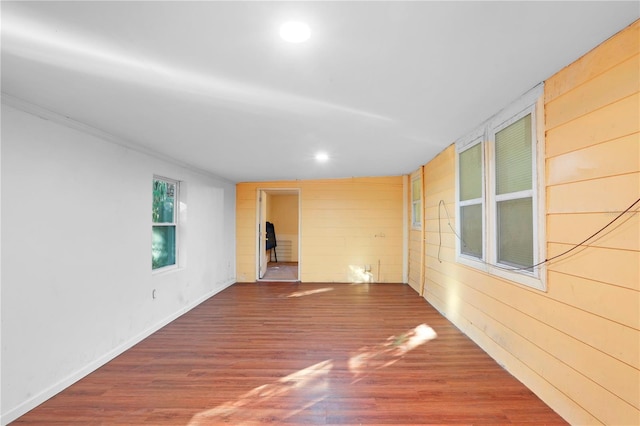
(380, 86)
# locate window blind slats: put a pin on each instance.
(514, 157)
(471, 173)
(515, 232)
(416, 203)
(416, 187)
(416, 213)
(471, 221)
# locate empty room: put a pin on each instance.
(330, 213)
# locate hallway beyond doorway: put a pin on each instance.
(281, 271)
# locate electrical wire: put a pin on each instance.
(564, 253)
(442, 203)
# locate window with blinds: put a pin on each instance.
(416, 202)
(500, 230)
(470, 201)
(514, 194)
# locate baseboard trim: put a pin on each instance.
(41, 397)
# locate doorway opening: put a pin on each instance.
(278, 236)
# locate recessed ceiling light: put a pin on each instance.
(322, 157)
(295, 32)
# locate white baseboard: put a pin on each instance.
(41, 397)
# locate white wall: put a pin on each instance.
(76, 253)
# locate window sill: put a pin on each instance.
(527, 279)
(165, 270)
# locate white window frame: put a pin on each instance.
(416, 224)
(530, 103)
(175, 224)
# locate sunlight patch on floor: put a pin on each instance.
(385, 354)
(305, 387)
(310, 292)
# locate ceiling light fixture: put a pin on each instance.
(295, 32)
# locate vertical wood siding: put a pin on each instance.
(578, 344)
(345, 224)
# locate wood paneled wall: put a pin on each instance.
(283, 211)
(593, 173)
(345, 225)
(578, 344)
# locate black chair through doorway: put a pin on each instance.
(271, 240)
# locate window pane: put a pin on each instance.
(163, 201)
(416, 187)
(163, 246)
(514, 157)
(515, 232)
(471, 173)
(471, 220)
(417, 213)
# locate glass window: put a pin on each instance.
(501, 231)
(513, 157)
(513, 195)
(470, 182)
(164, 223)
(471, 173)
(471, 221)
(416, 202)
(515, 232)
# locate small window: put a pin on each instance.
(164, 223)
(416, 202)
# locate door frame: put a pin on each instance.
(261, 207)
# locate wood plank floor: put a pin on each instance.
(290, 353)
